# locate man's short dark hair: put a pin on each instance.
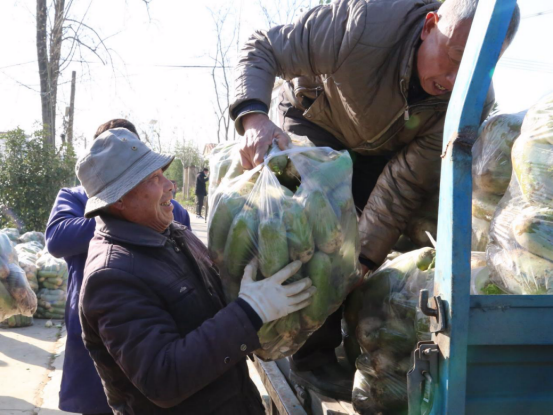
(116, 123)
(206, 169)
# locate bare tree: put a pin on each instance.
(278, 12)
(220, 73)
(54, 29)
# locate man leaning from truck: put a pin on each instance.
(373, 77)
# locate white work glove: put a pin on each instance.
(269, 298)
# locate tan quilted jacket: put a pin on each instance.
(353, 59)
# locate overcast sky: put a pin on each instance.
(143, 86)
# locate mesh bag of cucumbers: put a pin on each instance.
(520, 251)
(52, 280)
(16, 296)
(296, 206)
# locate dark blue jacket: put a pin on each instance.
(68, 235)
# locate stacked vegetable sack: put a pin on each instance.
(520, 252)
(52, 280)
(491, 171)
(16, 295)
(298, 206)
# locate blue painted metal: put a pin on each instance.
(452, 277)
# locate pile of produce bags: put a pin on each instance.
(16, 296)
(297, 206)
(520, 252)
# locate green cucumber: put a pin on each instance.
(239, 249)
(327, 231)
(533, 230)
(272, 245)
(298, 232)
(318, 270)
(289, 326)
(334, 173)
(226, 209)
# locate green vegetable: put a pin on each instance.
(533, 230)
(334, 173)
(278, 164)
(533, 162)
(352, 307)
(318, 270)
(480, 231)
(239, 249)
(290, 177)
(235, 169)
(226, 209)
(520, 272)
(327, 231)
(342, 201)
(287, 192)
(4, 270)
(289, 326)
(484, 205)
(267, 334)
(272, 245)
(7, 303)
(298, 232)
(491, 167)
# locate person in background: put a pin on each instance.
(152, 307)
(68, 234)
(201, 191)
(174, 188)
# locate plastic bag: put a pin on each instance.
(52, 272)
(391, 324)
(16, 296)
(389, 328)
(17, 321)
(33, 236)
(520, 252)
(491, 171)
(52, 280)
(51, 303)
(313, 220)
(11, 233)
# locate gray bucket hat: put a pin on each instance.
(115, 163)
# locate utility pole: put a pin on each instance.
(71, 109)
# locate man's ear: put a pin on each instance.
(430, 22)
(117, 207)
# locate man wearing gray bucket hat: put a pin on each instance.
(152, 309)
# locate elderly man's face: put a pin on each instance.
(440, 54)
(149, 203)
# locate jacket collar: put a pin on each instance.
(128, 232)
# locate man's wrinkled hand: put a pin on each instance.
(259, 134)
